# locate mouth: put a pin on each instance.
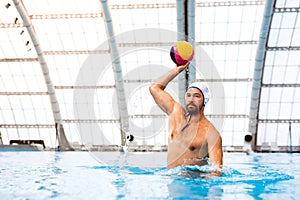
(191, 105)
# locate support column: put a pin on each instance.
(259, 67)
(186, 32)
(122, 104)
(62, 140)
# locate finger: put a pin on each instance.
(183, 66)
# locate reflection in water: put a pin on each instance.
(49, 175)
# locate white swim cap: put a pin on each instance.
(203, 88)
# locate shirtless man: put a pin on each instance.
(192, 137)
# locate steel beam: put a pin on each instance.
(191, 38)
(122, 104)
(181, 23)
(62, 140)
(259, 67)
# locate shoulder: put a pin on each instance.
(212, 132)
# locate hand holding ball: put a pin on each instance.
(182, 52)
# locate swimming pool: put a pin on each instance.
(79, 175)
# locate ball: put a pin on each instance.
(181, 52)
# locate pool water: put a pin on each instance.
(117, 175)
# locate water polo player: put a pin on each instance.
(192, 140)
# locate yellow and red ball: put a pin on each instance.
(182, 52)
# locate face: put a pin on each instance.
(193, 100)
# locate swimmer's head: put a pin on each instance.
(203, 88)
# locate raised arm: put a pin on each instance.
(163, 99)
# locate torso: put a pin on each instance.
(187, 147)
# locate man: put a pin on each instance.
(192, 137)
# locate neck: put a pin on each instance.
(193, 118)
(197, 116)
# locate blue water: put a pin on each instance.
(79, 175)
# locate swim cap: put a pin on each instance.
(203, 88)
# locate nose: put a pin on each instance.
(190, 99)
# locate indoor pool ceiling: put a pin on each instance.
(81, 69)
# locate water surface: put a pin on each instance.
(115, 175)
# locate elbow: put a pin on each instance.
(154, 87)
(151, 89)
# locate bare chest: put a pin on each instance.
(193, 137)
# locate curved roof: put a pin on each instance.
(77, 72)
